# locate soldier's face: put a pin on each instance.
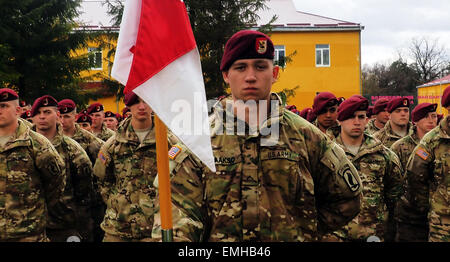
(251, 79)
(97, 119)
(8, 113)
(141, 111)
(329, 117)
(383, 117)
(111, 123)
(400, 116)
(354, 126)
(46, 118)
(427, 123)
(68, 120)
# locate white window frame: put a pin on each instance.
(94, 51)
(321, 48)
(276, 57)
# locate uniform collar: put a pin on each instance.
(126, 134)
(20, 138)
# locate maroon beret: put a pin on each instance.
(355, 103)
(380, 106)
(246, 44)
(26, 114)
(396, 103)
(125, 110)
(94, 108)
(422, 110)
(130, 99)
(66, 106)
(323, 100)
(84, 118)
(311, 116)
(7, 94)
(445, 101)
(43, 101)
(22, 103)
(305, 111)
(110, 114)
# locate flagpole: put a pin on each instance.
(162, 160)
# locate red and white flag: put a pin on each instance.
(157, 58)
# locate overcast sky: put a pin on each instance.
(389, 24)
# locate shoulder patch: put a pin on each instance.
(102, 157)
(422, 153)
(174, 151)
(350, 179)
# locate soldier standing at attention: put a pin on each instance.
(325, 108)
(380, 172)
(381, 116)
(126, 170)
(111, 120)
(91, 144)
(398, 125)
(85, 122)
(96, 112)
(76, 220)
(424, 117)
(290, 188)
(32, 176)
(426, 203)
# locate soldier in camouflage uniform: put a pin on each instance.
(32, 176)
(325, 109)
(76, 220)
(398, 125)
(381, 116)
(91, 144)
(380, 172)
(291, 187)
(424, 117)
(85, 122)
(96, 112)
(126, 170)
(426, 204)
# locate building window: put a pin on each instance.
(322, 55)
(95, 57)
(279, 58)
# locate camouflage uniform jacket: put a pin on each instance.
(404, 147)
(79, 189)
(388, 137)
(336, 125)
(105, 134)
(126, 170)
(371, 128)
(32, 180)
(382, 179)
(88, 141)
(290, 191)
(427, 190)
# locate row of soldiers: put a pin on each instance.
(330, 180)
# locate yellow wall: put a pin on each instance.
(342, 77)
(432, 94)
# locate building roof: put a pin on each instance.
(94, 17)
(440, 81)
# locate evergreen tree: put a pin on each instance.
(36, 48)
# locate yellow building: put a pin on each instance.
(328, 55)
(431, 92)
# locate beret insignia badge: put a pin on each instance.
(261, 45)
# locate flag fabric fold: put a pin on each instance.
(157, 58)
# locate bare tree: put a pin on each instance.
(430, 58)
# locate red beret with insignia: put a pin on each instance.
(348, 108)
(422, 110)
(246, 44)
(396, 103)
(94, 108)
(446, 97)
(110, 114)
(22, 103)
(84, 118)
(130, 99)
(322, 101)
(7, 94)
(43, 101)
(66, 106)
(380, 106)
(26, 114)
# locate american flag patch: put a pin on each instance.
(422, 153)
(101, 157)
(174, 151)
